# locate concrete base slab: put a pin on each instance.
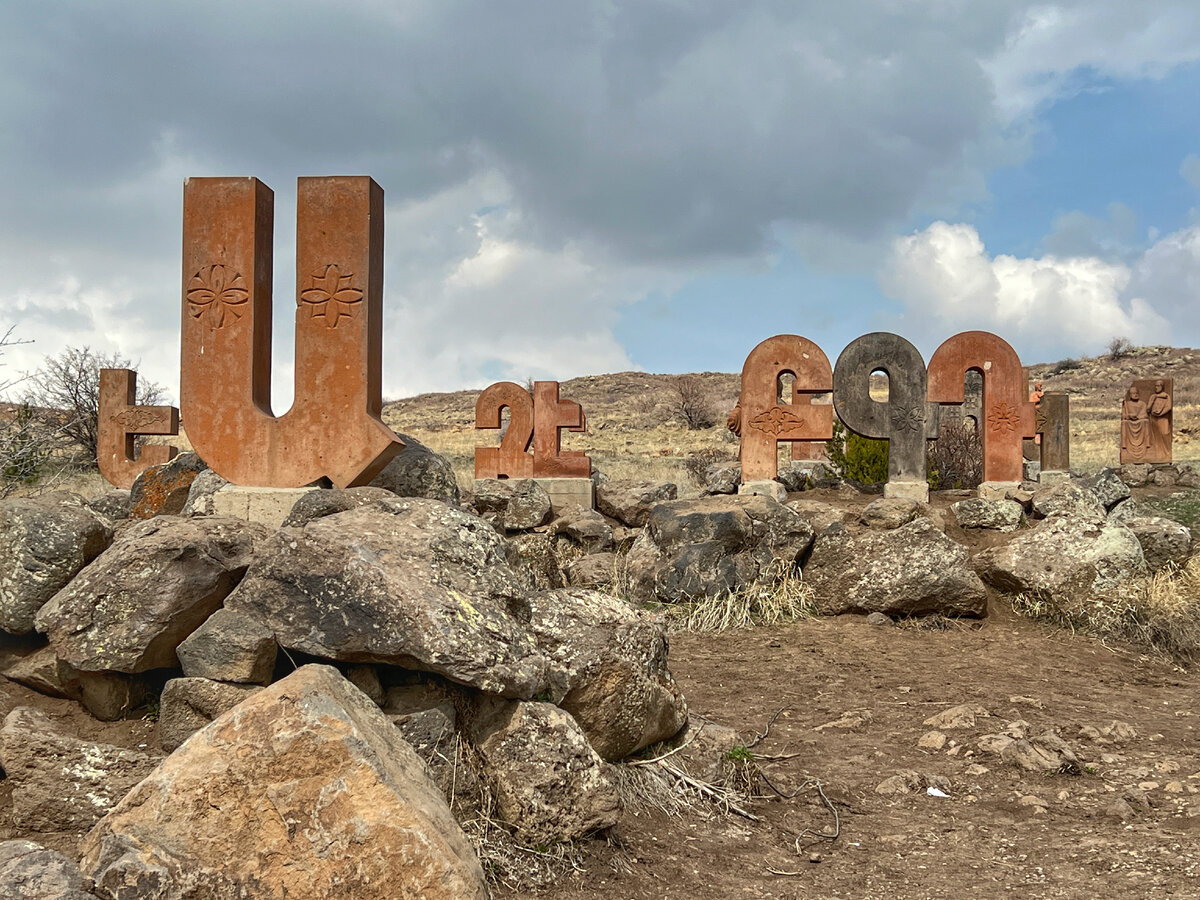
(267, 506)
(998, 490)
(907, 490)
(1054, 476)
(566, 492)
(772, 489)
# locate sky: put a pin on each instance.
(600, 185)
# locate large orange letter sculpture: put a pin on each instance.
(333, 428)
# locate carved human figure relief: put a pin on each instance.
(121, 421)
(1007, 416)
(762, 421)
(532, 444)
(333, 428)
(906, 419)
(1146, 421)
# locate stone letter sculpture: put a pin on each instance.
(1146, 421)
(906, 420)
(536, 419)
(1007, 415)
(1054, 426)
(763, 421)
(333, 428)
(121, 420)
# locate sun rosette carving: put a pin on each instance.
(133, 418)
(776, 420)
(216, 296)
(907, 418)
(1003, 418)
(332, 296)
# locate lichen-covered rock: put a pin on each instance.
(585, 530)
(911, 570)
(43, 671)
(1066, 556)
(1107, 486)
(44, 543)
(163, 490)
(29, 871)
(1068, 499)
(113, 505)
(416, 471)
(1000, 515)
(229, 646)
(1135, 474)
(303, 790)
(516, 504)
(890, 512)
(62, 783)
(721, 478)
(534, 558)
(714, 545)
(630, 502)
(1123, 511)
(157, 582)
(596, 570)
(405, 581)
(200, 494)
(318, 504)
(188, 704)
(548, 782)
(816, 513)
(1164, 541)
(614, 658)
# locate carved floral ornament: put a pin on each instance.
(216, 295)
(133, 418)
(1003, 419)
(332, 295)
(776, 420)
(908, 418)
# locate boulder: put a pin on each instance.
(1164, 476)
(911, 570)
(44, 543)
(714, 545)
(548, 782)
(597, 570)
(29, 871)
(200, 500)
(818, 514)
(1135, 474)
(113, 505)
(318, 504)
(163, 490)
(1124, 511)
(1065, 556)
(405, 581)
(303, 790)
(511, 504)
(1067, 499)
(721, 478)
(534, 558)
(614, 658)
(1107, 486)
(1164, 541)
(999, 515)
(188, 704)
(584, 530)
(702, 748)
(60, 782)
(157, 582)
(416, 471)
(43, 671)
(229, 646)
(890, 512)
(803, 475)
(111, 695)
(630, 502)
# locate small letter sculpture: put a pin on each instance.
(536, 419)
(121, 420)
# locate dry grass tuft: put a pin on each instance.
(779, 596)
(1161, 612)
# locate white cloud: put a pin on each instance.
(948, 282)
(1190, 170)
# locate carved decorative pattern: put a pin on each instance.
(134, 418)
(907, 418)
(216, 295)
(332, 296)
(1003, 419)
(776, 420)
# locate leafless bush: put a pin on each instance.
(955, 459)
(1119, 348)
(688, 399)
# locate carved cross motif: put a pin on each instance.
(1003, 418)
(214, 293)
(332, 296)
(908, 418)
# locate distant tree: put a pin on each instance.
(1119, 347)
(688, 399)
(66, 389)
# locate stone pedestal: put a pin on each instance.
(907, 490)
(998, 490)
(772, 489)
(267, 506)
(1053, 476)
(566, 492)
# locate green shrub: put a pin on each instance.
(857, 458)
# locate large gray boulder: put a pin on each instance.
(29, 871)
(1068, 499)
(1107, 487)
(229, 646)
(1066, 556)
(157, 582)
(188, 704)
(416, 471)
(711, 546)
(548, 782)
(405, 581)
(305, 789)
(44, 543)
(614, 658)
(582, 531)
(721, 478)
(60, 782)
(630, 502)
(511, 504)
(1164, 541)
(318, 504)
(201, 492)
(911, 570)
(977, 513)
